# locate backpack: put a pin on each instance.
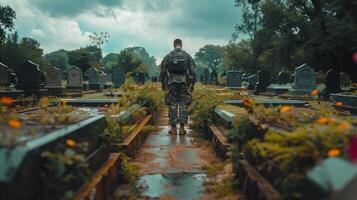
(178, 64)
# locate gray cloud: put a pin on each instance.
(70, 8)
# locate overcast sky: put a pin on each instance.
(153, 24)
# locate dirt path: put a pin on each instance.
(177, 167)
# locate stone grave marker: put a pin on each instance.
(263, 81)
(118, 77)
(283, 77)
(234, 79)
(74, 81)
(54, 82)
(252, 81)
(94, 80)
(214, 77)
(333, 83)
(4, 75)
(206, 76)
(304, 80)
(103, 79)
(30, 79)
(346, 82)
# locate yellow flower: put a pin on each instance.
(71, 143)
(314, 92)
(339, 104)
(334, 152)
(14, 123)
(6, 101)
(285, 109)
(344, 125)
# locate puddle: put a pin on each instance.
(177, 185)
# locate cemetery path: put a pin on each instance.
(172, 166)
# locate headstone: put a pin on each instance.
(85, 83)
(104, 80)
(74, 81)
(263, 81)
(118, 77)
(304, 80)
(283, 77)
(93, 79)
(206, 76)
(30, 79)
(4, 75)
(252, 81)
(345, 80)
(214, 77)
(54, 82)
(140, 78)
(333, 82)
(234, 79)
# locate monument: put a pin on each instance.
(214, 77)
(118, 77)
(263, 82)
(74, 81)
(93, 79)
(7, 82)
(4, 75)
(30, 79)
(54, 82)
(252, 81)
(234, 79)
(304, 80)
(346, 82)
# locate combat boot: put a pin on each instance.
(182, 130)
(173, 130)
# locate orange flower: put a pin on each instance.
(71, 143)
(314, 92)
(339, 104)
(334, 152)
(44, 101)
(247, 102)
(14, 123)
(6, 101)
(322, 120)
(285, 109)
(344, 125)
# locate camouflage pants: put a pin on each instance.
(178, 98)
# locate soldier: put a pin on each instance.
(178, 79)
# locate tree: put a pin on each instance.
(128, 62)
(85, 57)
(210, 55)
(141, 54)
(98, 39)
(7, 16)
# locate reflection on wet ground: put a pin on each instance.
(171, 167)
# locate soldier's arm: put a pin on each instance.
(163, 71)
(192, 71)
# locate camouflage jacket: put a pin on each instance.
(167, 79)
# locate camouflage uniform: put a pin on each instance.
(178, 89)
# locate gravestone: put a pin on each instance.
(140, 78)
(304, 80)
(263, 81)
(206, 76)
(154, 79)
(74, 81)
(333, 82)
(85, 83)
(54, 82)
(252, 81)
(104, 80)
(283, 77)
(93, 80)
(346, 82)
(118, 77)
(30, 79)
(234, 79)
(214, 77)
(4, 75)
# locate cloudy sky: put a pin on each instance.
(153, 24)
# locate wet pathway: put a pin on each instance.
(171, 165)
